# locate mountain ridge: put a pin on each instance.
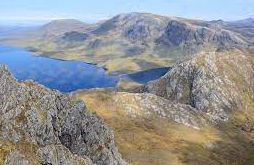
(43, 126)
(144, 40)
(200, 112)
(212, 94)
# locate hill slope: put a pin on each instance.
(142, 40)
(200, 112)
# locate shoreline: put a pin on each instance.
(120, 76)
(114, 73)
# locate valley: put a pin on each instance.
(138, 88)
(141, 40)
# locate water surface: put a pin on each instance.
(65, 76)
(143, 77)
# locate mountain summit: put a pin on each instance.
(143, 40)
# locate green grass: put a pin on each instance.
(110, 55)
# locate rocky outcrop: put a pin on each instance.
(74, 37)
(214, 83)
(134, 26)
(179, 33)
(143, 106)
(147, 105)
(170, 31)
(38, 125)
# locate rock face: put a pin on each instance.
(169, 32)
(147, 105)
(213, 83)
(40, 126)
(179, 33)
(134, 26)
(74, 37)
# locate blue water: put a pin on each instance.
(143, 77)
(65, 76)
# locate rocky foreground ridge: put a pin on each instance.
(41, 126)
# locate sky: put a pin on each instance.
(32, 11)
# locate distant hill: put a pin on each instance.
(249, 22)
(14, 31)
(59, 27)
(142, 40)
(244, 27)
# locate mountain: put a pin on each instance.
(59, 27)
(214, 83)
(48, 31)
(244, 27)
(200, 112)
(14, 31)
(41, 126)
(249, 22)
(143, 40)
(134, 26)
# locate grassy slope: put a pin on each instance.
(144, 140)
(109, 56)
(156, 141)
(25, 147)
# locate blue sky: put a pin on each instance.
(94, 10)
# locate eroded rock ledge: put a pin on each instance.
(41, 126)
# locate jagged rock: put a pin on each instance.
(214, 83)
(16, 158)
(169, 31)
(148, 105)
(58, 129)
(179, 33)
(58, 154)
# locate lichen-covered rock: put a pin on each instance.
(215, 83)
(56, 129)
(16, 158)
(58, 154)
(147, 105)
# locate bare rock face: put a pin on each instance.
(147, 105)
(179, 33)
(213, 83)
(41, 126)
(169, 31)
(134, 26)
